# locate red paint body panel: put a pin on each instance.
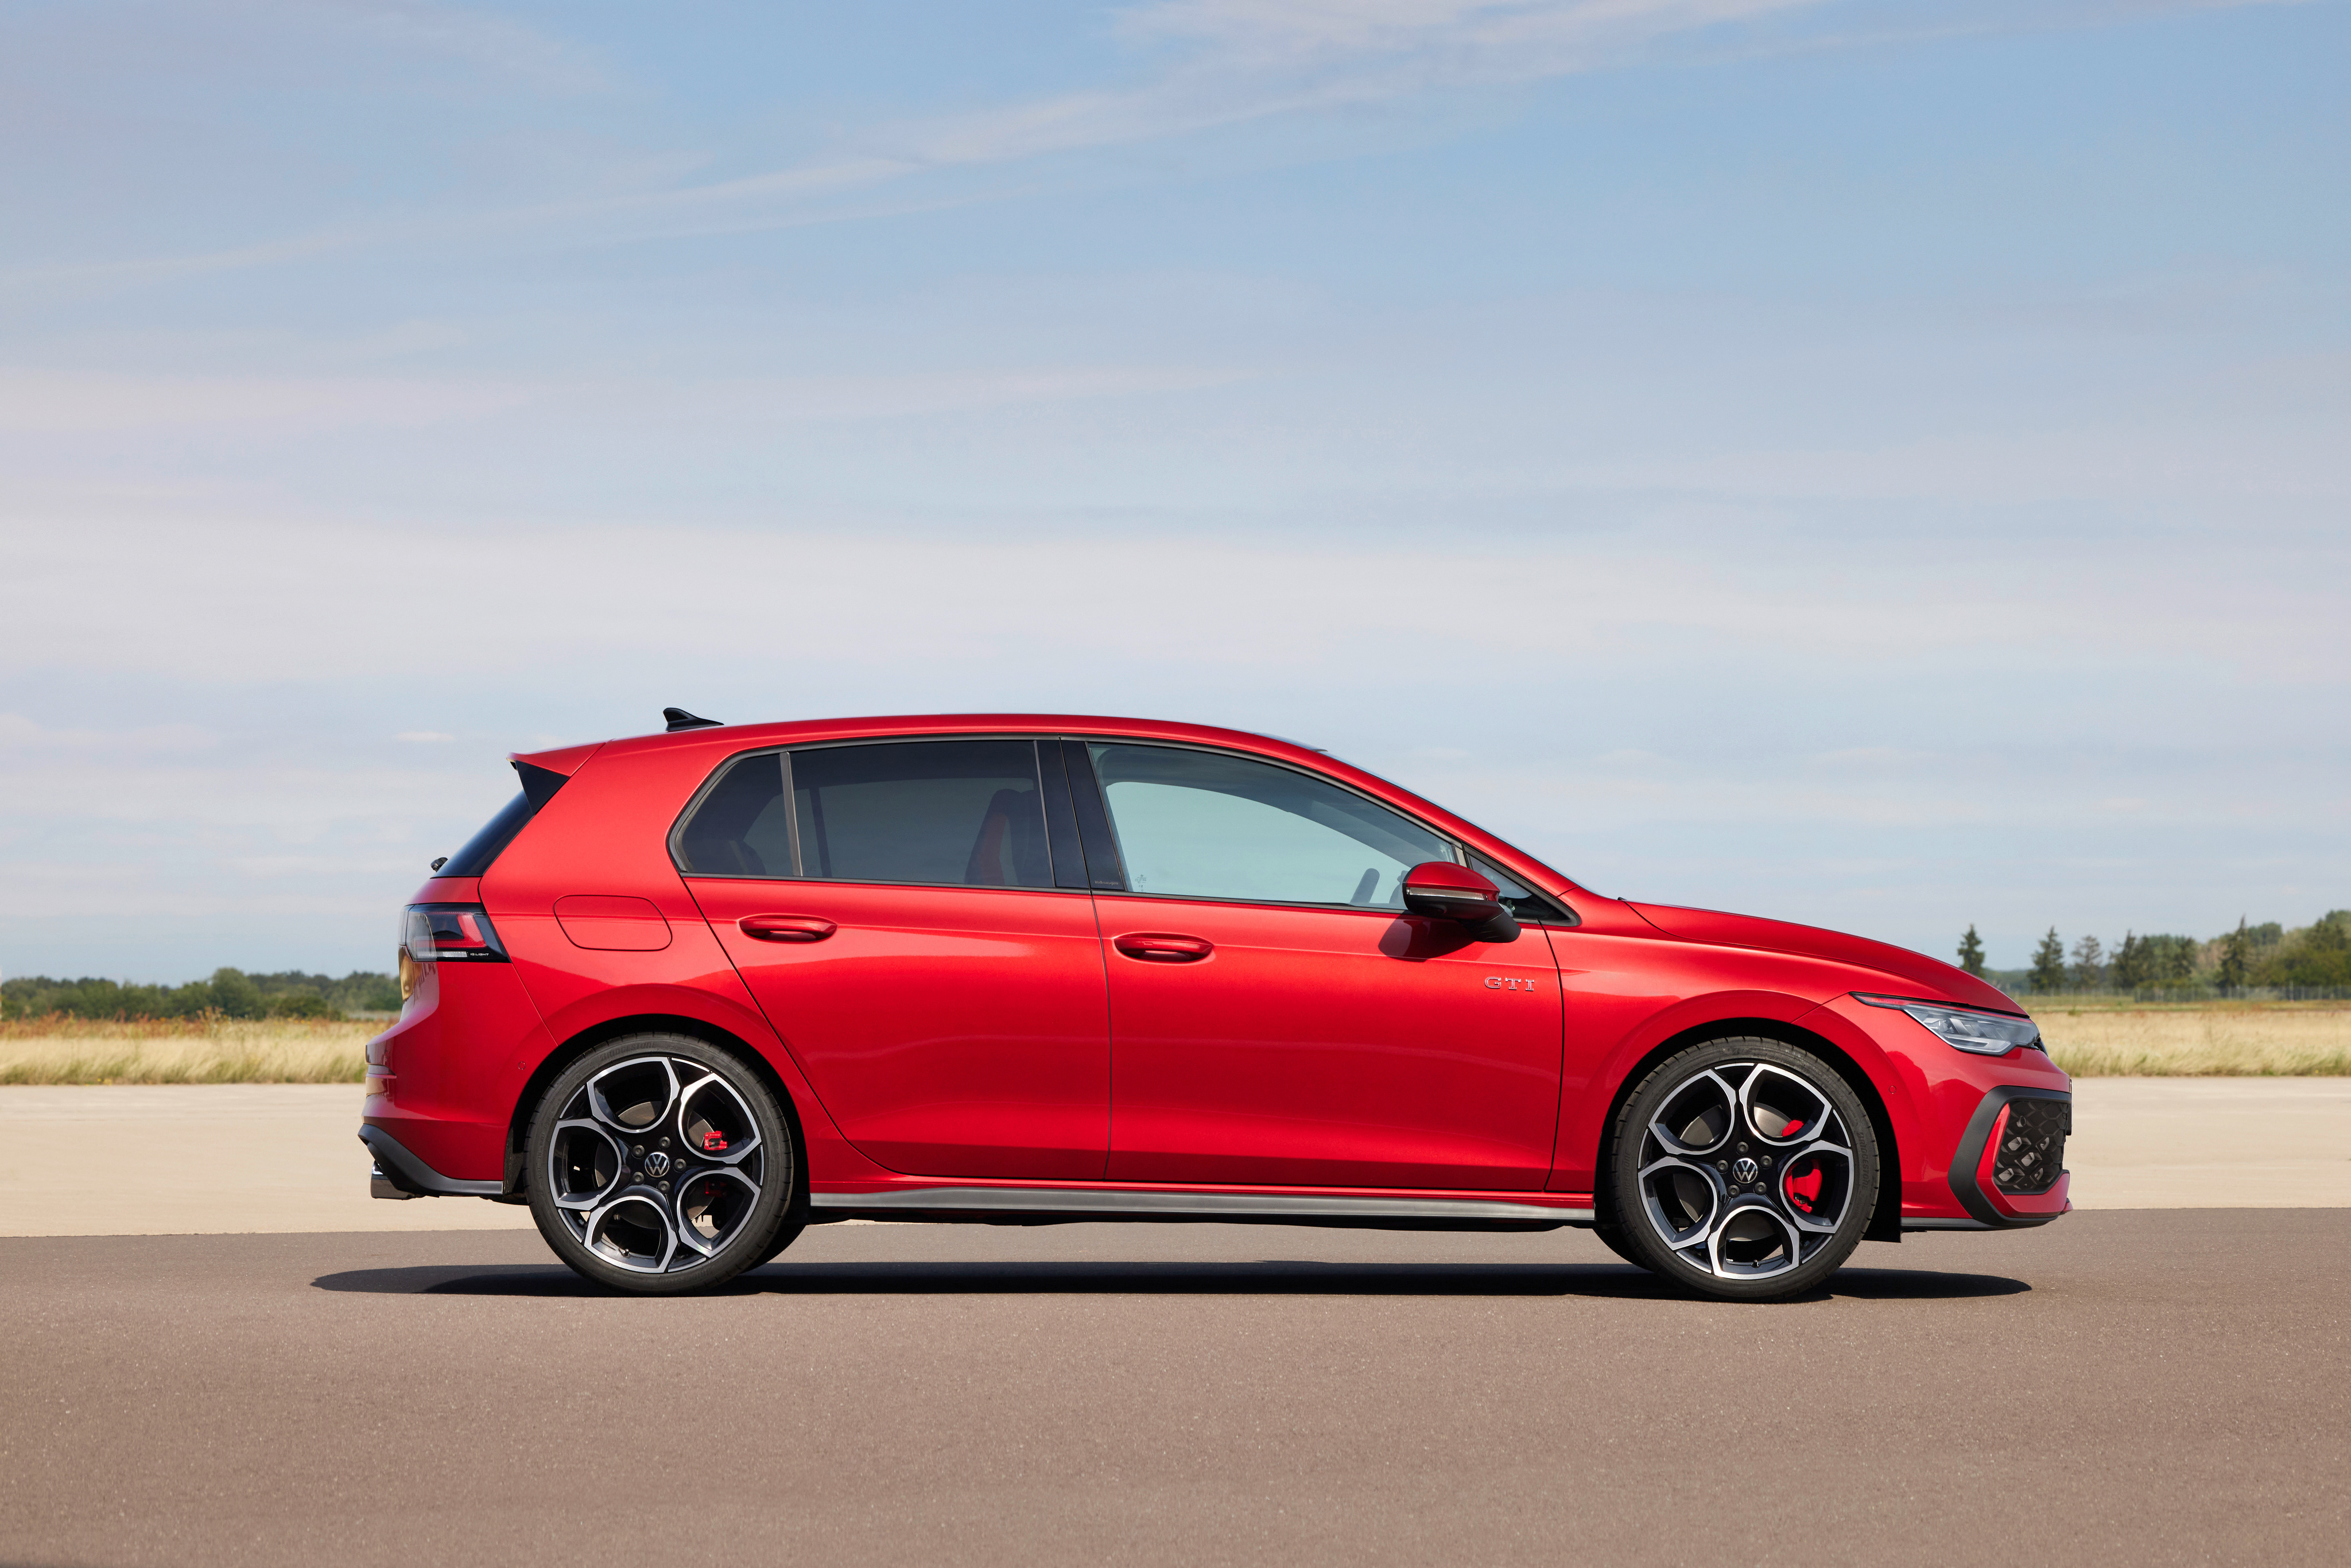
(565, 760)
(1901, 971)
(612, 923)
(979, 1035)
(1337, 1048)
(448, 1100)
(950, 1030)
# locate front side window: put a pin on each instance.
(1200, 824)
(957, 813)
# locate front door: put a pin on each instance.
(1278, 1018)
(893, 909)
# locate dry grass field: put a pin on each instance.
(2293, 1040)
(2274, 1040)
(182, 1050)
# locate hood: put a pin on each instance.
(1910, 973)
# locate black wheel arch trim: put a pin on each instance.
(407, 1171)
(1969, 1153)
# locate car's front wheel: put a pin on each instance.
(660, 1163)
(1744, 1168)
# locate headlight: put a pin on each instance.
(1965, 1028)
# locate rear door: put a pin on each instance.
(894, 908)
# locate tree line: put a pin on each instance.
(2270, 954)
(229, 993)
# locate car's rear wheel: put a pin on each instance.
(661, 1163)
(1743, 1168)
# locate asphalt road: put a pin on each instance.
(2125, 1387)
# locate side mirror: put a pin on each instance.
(1443, 891)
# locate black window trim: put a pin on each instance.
(1562, 915)
(1064, 845)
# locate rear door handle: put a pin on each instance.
(786, 927)
(1156, 948)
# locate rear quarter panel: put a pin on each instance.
(606, 833)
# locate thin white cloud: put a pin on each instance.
(1276, 32)
(47, 401)
(1234, 62)
(498, 43)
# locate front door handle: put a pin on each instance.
(786, 927)
(1156, 948)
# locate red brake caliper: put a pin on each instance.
(1806, 1189)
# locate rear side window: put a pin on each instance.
(957, 813)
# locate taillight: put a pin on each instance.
(431, 932)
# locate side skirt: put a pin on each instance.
(1060, 1206)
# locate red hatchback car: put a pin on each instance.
(692, 992)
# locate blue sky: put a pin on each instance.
(1894, 453)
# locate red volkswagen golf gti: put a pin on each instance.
(692, 992)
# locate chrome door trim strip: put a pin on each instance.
(1204, 1205)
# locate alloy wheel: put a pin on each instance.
(1746, 1172)
(656, 1164)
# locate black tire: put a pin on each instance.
(786, 1234)
(1613, 1238)
(1729, 1206)
(660, 1163)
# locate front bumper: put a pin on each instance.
(2000, 1171)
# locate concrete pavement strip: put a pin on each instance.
(123, 1159)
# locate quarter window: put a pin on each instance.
(1200, 824)
(1521, 901)
(943, 813)
(742, 826)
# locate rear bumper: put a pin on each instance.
(1976, 1162)
(400, 1174)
